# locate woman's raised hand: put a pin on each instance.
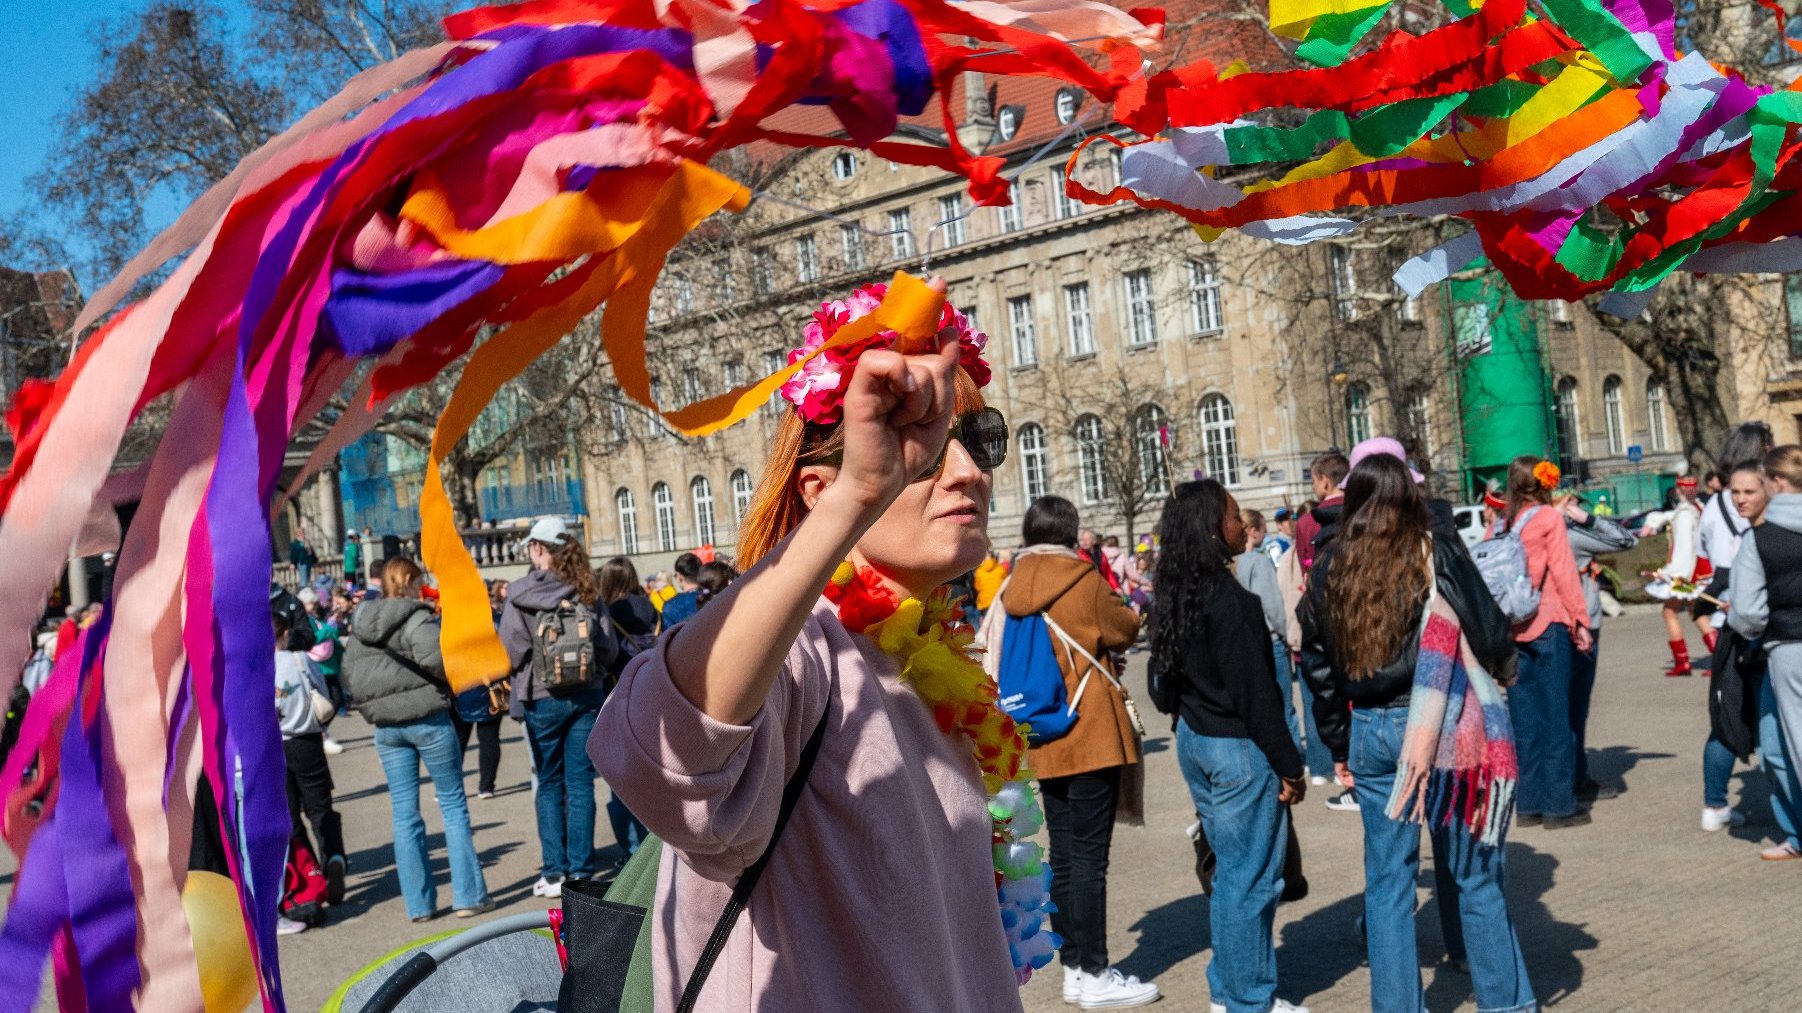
(898, 408)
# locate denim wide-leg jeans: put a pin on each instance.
(1498, 973)
(1235, 791)
(402, 748)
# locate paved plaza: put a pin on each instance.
(1638, 911)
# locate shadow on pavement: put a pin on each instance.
(1168, 935)
(1610, 764)
(373, 880)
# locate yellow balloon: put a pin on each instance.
(228, 980)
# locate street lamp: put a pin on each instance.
(1336, 377)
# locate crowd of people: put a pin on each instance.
(1354, 640)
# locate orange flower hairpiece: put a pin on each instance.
(1548, 475)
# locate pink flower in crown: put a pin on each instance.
(818, 390)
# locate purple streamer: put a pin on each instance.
(371, 313)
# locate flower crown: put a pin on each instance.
(818, 390)
(1548, 475)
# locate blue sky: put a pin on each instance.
(47, 53)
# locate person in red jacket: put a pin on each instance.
(1328, 473)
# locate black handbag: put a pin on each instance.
(606, 929)
(1295, 884)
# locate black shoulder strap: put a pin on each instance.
(747, 881)
(1727, 515)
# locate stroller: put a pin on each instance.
(455, 972)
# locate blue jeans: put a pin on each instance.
(1539, 705)
(1717, 769)
(1786, 792)
(402, 748)
(1234, 790)
(626, 829)
(1582, 686)
(1319, 758)
(1484, 933)
(557, 729)
(1285, 684)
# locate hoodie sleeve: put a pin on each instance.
(516, 636)
(1750, 599)
(1258, 574)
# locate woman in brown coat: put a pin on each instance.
(1080, 774)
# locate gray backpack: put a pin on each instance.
(1502, 560)
(563, 647)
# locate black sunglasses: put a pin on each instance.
(983, 434)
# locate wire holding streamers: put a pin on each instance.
(541, 164)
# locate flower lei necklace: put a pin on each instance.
(932, 647)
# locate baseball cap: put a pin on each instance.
(1384, 445)
(549, 530)
(1284, 513)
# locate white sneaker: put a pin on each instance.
(289, 927)
(1280, 1006)
(552, 888)
(1112, 990)
(1072, 985)
(332, 748)
(1721, 819)
(1317, 780)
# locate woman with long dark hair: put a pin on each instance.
(634, 619)
(1210, 653)
(1540, 701)
(1366, 611)
(558, 718)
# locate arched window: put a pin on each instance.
(742, 489)
(1357, 414)
(1035, 461)
(1657, 418)
(627, 508)
(663, 502)
(1149, 439)
(701, 492)
(1569, 419)
(1091, 444)
(1220, 439)
(1614, 416)
(1066, 105)
(844, 165)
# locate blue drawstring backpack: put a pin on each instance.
(1031, 682)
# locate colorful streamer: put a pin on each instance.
(541, 164)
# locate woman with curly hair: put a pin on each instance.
(1540, 701)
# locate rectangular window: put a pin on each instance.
(691, 385)
(951, 210)
(1343, 277)
(763, 274)
(807, 259)
(619, 422)
(1021, 332)
(1141, 309)
(1792, 297)
(1204, 298)
(734, 374)
(1080, 318)
(657, 429)
(1062, 204)
(851, 237)
(1009, 214)
(901, 234)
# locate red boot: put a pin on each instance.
(1679, 659)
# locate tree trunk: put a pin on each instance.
(1677, 339)
(460, 473)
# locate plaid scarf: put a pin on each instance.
(1457, 759)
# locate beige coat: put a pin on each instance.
(1076, 597)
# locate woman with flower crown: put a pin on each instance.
(1540, 700)
(902, 880)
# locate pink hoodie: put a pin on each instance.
(1553, 568)
(880, 895)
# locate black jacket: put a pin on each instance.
(1462, 587)
(1229, 689)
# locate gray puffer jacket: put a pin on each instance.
(393, 668)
